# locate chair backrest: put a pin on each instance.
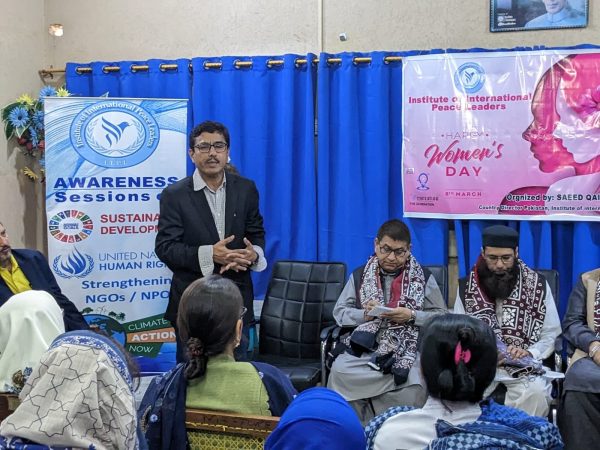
(440, 273)
(213, 429)
(298, 304)
(551, 277)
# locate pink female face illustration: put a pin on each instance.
(565, 131)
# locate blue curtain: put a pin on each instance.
(359, 161)
(270, 114)
(269, 111)
(152, 83)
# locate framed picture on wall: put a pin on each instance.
(523, 15)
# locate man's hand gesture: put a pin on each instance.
(239, 259)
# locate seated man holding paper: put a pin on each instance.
(517, 303)
(579, 413)
(387, 300)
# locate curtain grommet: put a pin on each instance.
(208, 65)
(239, 64)
(271, 63)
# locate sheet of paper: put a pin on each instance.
(378, 310)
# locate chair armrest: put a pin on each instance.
(340, 331)
(327, 331)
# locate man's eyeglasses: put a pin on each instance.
(398, 252)
(493, 259)
(244, 311)
(204, 147)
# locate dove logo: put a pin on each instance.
(114, 134)
(469, 77)
(74, 265)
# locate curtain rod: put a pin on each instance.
(238, 64)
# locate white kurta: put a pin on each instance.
(529, 393)
(354, 380)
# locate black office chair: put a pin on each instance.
(298, 304)
(331, 335)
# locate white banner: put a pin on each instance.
(107, 162)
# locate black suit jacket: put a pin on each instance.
(40, 277)
(186, 223)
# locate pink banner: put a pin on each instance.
(513, 134)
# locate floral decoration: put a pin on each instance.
(24, 120)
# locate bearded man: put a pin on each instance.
(517, 303)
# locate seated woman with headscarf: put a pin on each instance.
(29, 322)
(209, 320)
(80, 395)
(317, 419)
(458, 361)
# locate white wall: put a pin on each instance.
(21, 53)
(426, 24)
(115, 30)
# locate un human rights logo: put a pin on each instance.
(114, 134)
(469, 77)
(73, 265)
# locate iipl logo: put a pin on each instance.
(469, 77)
(114, 134)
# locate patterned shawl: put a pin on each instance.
(523, 312)
(397, 347)
(498, 427)
(80, 395)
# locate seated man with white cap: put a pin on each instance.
(517, 303)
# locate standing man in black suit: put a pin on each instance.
(23, 269)
(210, 223)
